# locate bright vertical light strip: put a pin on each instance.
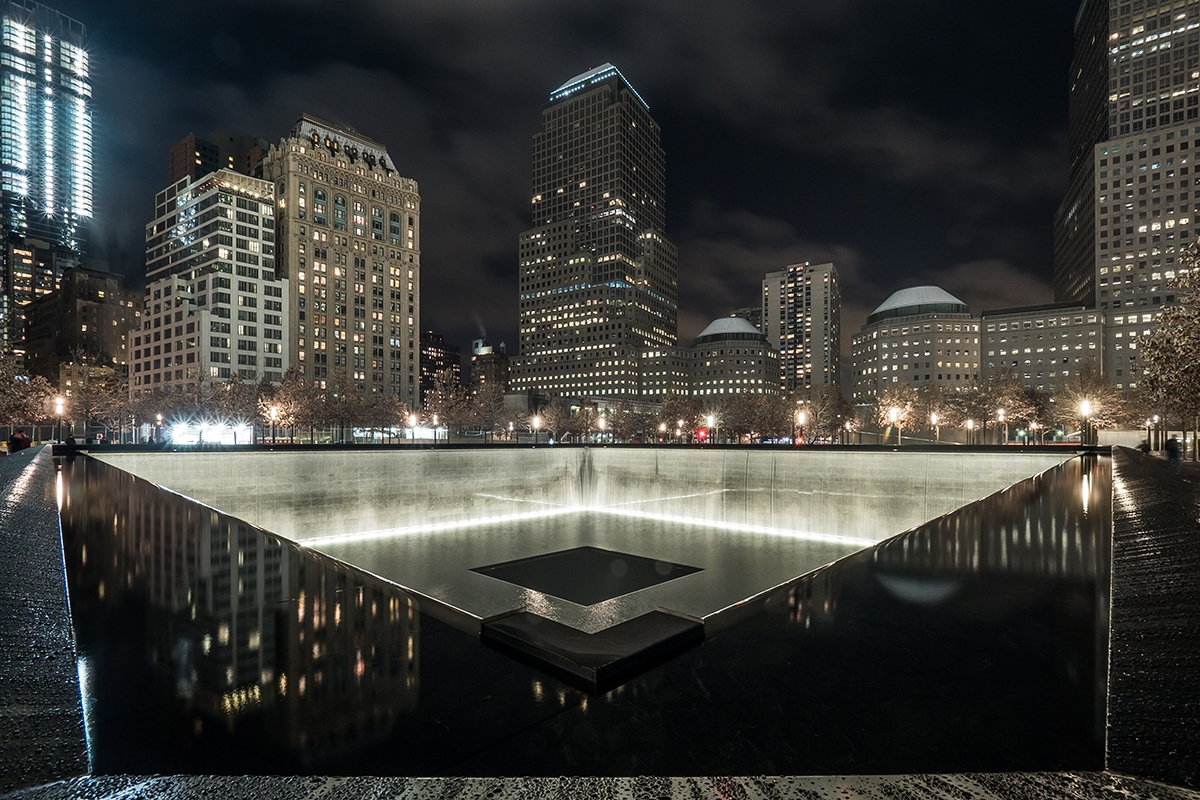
(48, 182)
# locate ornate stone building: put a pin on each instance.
(349, 240)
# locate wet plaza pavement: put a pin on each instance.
(976, 643)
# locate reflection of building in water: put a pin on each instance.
(1053, 525)
(813, 601)
(244, 625)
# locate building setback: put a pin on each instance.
(214, 307)
(598, 278)
(1043, 347)
(802, 316)
(349, 241)
(45, 155)
(923, 336)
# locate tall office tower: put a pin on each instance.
(599, 282)
(349, 240)
(45, 151)
(1135, 73)
(802, 316)
(214, 306)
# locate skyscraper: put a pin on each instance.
(1135, 76)
(349, 239)
(45, 152)
(1134, 133)
(599, 282)
(802, 316)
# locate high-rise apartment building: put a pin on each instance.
(598, 278)
(1135, 78)
(802, 316)
(214, 308)
(45, 151)
(349, 241)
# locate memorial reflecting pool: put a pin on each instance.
(976, 641)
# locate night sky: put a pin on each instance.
(910, 142)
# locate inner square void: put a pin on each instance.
(750, 520)
(586, 575)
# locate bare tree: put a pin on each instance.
(1171, 355)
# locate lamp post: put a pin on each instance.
(537, 424)
(603, 424)
(1004, 422)
(58, 412)
(970, 430)
(662, 430)
(802, 418)
(435, 428)
(894, 416)
(712, 424)
(937, 431)
(274, 419)
(158, 429)
(1157, 434)
(679, 430)
(1085, 430)
(847, 432)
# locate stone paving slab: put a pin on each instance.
(1022, 786)
(41, 722)
(1154, 655)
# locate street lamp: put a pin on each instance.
(435, 429)
(662, 429)
(1003, 421)
(802, 418)
(603, 425)
(937, 432)
(894, 416)
(712, 425)
(58, 411)
(158, 429)
(274, 418)
(1157, 434)
(679, 429)
(1085, 431)
(970, 429)
(848, 433)
(537, 424)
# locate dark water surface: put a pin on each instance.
(974, 643)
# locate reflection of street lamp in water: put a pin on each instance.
(58, 411)
(1085, 432)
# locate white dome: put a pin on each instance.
(917, 296)
(728, 325)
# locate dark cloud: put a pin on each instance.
(904, 141)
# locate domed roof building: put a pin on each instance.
(731, 356)
(920, 336)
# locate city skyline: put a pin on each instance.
(775, 152)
